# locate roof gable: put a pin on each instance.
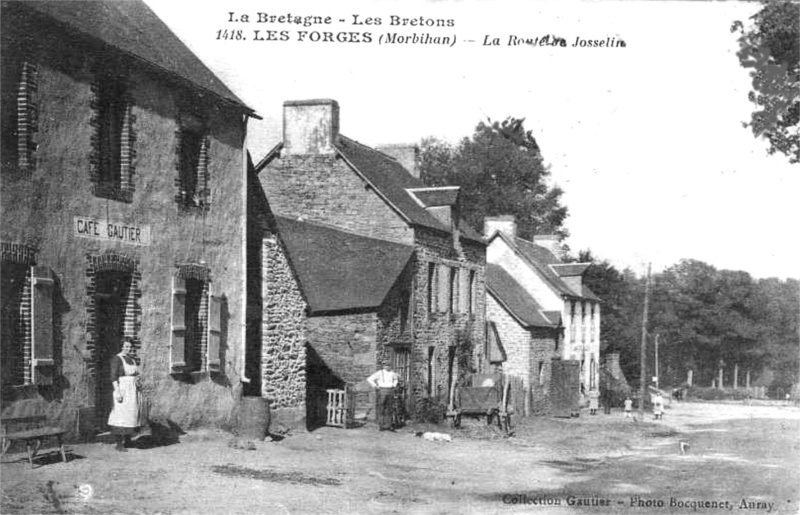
(513, 297)
(132, 28)
(548, 266)
(340, 271)
(393, 181)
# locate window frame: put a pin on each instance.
(192, 164)
(114, 139)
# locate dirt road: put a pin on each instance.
(739, 459)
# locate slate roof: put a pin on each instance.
(549, 266)
(515, 298)
(570, 269)
(444, 196)
(132, 28)
(547, 263)
(392, 180)
(340, 271)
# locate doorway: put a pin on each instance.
(111, 293)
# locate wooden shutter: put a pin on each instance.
(214, 333)
(178, 335)
(42, 325)
(443, 290)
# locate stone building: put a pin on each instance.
(529, 336)
(541, 309)
(123, 194)
(397, 273)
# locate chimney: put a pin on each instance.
(506, 224)
(551, 242)
(406, 155)
(310, 127)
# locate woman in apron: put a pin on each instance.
(124, 417)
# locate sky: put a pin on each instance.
(645, 140)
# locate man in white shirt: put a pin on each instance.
(385, 381)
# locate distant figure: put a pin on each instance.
(628, 407)
(594, 396)
(658, 406)
(385, 381)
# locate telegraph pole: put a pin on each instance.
(643, 350)
(658, 378)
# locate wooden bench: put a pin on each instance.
(33, 431)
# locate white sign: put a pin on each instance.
(111, 231)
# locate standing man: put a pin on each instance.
(384, 381)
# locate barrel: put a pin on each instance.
(254, 418)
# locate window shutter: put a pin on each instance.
(443, 290)
(42, 326)
(214, 333)
(178, 341)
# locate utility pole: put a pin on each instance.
(642, 364)
(658, 378)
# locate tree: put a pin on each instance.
(771, 48)
(501, 172)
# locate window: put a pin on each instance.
(15, 327)
(451, 370)
(27, 324)
(541, 373)
(402, 364)
(453, 290)
(26, 116)
(196, 325)
(471, 293)
(431, 287)
(573, 329)
(192, 181)
(584, 321)
(113, 159)
(443, 290)
(431, 371)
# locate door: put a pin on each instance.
(402, 367)
(111, 293)
(565, 381)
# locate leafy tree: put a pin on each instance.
(500, 171)
(771, 48)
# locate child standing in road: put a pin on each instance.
(628, 407)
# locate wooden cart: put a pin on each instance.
(482, 395)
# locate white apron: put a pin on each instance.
(126, 413)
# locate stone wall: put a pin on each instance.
(283, 349)
(39, 205)
(516, 341)
(543, 351)
(342, 350)
(436, 331)
(324, 189)
(526, 349)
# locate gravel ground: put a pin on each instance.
(600, 464)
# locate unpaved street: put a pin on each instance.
(740, 459)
